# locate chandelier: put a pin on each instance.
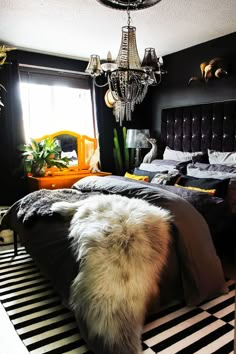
(127, 77)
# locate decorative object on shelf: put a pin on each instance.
(214, 69)
(3, 57)
(137, 139)
(127, 78)
(38, 156)
(152, 154)
(3, 53)
(95, 161)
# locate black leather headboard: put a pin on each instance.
(200, 127)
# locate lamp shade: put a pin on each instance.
(94, 65)
(150, 59)
(137, 138)
(128, 57)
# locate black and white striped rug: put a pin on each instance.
(45, 326)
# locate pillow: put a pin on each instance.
(215, 167)
(164, 162)
(176, 155)
(208, 191)
(182, 166)
(224, 158)
(203, 158)
(138, 178)
(220, 172)
(219, 185)
(139, 172)
(172, 165)
(153, 167)
(166, 178)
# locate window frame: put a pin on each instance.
(54, 76)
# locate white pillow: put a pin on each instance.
(223, 158)
(170, 154)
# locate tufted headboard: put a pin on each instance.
(199, 127)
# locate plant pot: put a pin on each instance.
(38, 171)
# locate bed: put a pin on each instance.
(192, 269)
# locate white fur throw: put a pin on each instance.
(122, 244)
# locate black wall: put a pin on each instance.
(106, 121)
(174, 90)
(38, 59)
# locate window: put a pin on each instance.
(53, 102)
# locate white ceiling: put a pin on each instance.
(78, 28)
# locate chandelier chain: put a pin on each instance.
(128, 13)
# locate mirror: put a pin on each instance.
(78, 147)
(69, 147)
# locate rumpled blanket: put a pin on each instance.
(38, 203)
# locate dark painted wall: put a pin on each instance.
(174, 90)
(44, 60)
(106, 121)
(141, 119)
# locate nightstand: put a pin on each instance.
(59, 181)
(7, 235)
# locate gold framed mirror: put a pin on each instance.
(80, 148)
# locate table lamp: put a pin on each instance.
(137, 139)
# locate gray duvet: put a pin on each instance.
(201, 270)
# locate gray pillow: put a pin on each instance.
(218, 171)
(140, 172)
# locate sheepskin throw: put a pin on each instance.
(122, 245)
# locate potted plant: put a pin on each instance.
(38, 156)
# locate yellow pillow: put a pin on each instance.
(209, 191)
(138, 178)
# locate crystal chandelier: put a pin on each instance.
(127, 78)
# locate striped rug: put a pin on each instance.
(45, 326)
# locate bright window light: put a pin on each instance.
(48, 109)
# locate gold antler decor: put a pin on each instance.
(3, 57)
(215, 68)
(3, 53)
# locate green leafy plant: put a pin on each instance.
(122, 157)
(38, 156)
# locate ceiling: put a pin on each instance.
(78, 28)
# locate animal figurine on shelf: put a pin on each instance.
(94, 161)
(214, 69)
(152, 154)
